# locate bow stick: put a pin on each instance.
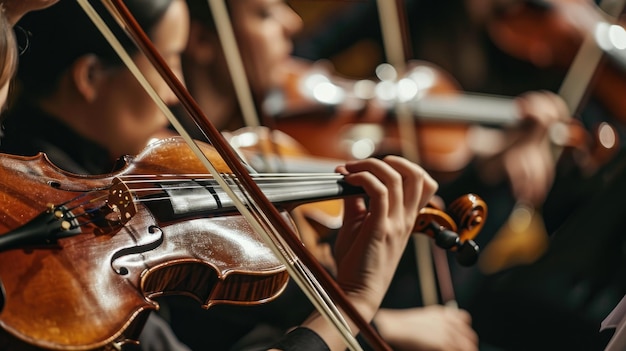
(266, 221)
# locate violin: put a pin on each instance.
(551, 33)
(104, 247)
(356, 117)
(546, 33)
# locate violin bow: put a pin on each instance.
(266, 220)
(393, 21)
(396, 50)
(237, 71)
(234, 62)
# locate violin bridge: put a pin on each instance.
(121, 202)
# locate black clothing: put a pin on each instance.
(559, 302)
(28, 131)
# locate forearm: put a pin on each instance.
(329, 333)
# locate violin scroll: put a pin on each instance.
(455, 229)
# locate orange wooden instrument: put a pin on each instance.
(83, 257)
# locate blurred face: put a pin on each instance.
(128, 116)
(264, 30)
(15, 9)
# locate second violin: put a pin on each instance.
(356, 116)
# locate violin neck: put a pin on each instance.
(205, 197)
(490, 110)
(291, 164)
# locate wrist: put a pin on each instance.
(384, 324)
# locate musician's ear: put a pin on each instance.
(86, 73)
(202, 44)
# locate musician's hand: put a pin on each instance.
(430, 328)
(528, 163)
(15, 9)
(374, 235)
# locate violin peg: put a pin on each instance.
(467, 254)
(446, 239)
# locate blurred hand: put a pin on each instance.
(528, 162)
(430, 328)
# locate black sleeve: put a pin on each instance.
(301, 339)
(305, 339)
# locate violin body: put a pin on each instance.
(93, 288)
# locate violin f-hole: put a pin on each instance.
(152, 230)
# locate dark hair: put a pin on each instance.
(63, 33)
(200, 12)
(8, 50)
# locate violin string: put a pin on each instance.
(254, 176)
(286, 181)
(83, 204)
(71, 216)
(215, 189)
(266, 182)
(101, 194)
(86, 193)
